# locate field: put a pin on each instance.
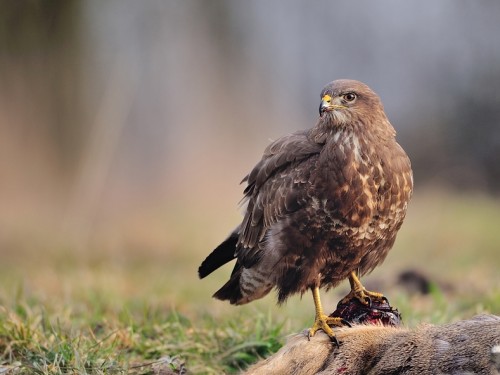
(141, 309)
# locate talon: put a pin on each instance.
(322, 321)
(346, 323)
(359, 292)
(335, 341)
(368, 301)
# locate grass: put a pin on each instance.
(144, 312)
(134, 338)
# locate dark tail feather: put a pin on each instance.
(221, 255)
(231, 290)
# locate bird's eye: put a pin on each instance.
(349, 97)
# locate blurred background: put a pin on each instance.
(126, 127)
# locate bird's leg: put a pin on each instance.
(359, 292)
(323, 321)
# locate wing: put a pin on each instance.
(275, 188)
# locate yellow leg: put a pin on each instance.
(359, 292)
(323, 321)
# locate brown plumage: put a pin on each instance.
(324, 204)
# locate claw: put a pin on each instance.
(346, 323)
(322, 321)
(368, 301)
(335, 341)
(359, 292)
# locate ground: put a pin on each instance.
(141, 309)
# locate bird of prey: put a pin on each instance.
(323, 205)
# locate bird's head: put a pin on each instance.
(349, 102)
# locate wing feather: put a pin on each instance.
(273, 190)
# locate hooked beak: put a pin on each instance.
(327, 105)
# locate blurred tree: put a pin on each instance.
(472, 128)
(455, 143)
(40, 63)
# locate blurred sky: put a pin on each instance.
(151, 112)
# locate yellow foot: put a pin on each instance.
(364, 296)
(324, 322)
(359, 292)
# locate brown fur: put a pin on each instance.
(463, 348)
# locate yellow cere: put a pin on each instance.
(327, 98)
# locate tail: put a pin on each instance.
(222, 254)
(231, 290)
(245, 285)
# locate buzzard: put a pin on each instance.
(323, 205)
